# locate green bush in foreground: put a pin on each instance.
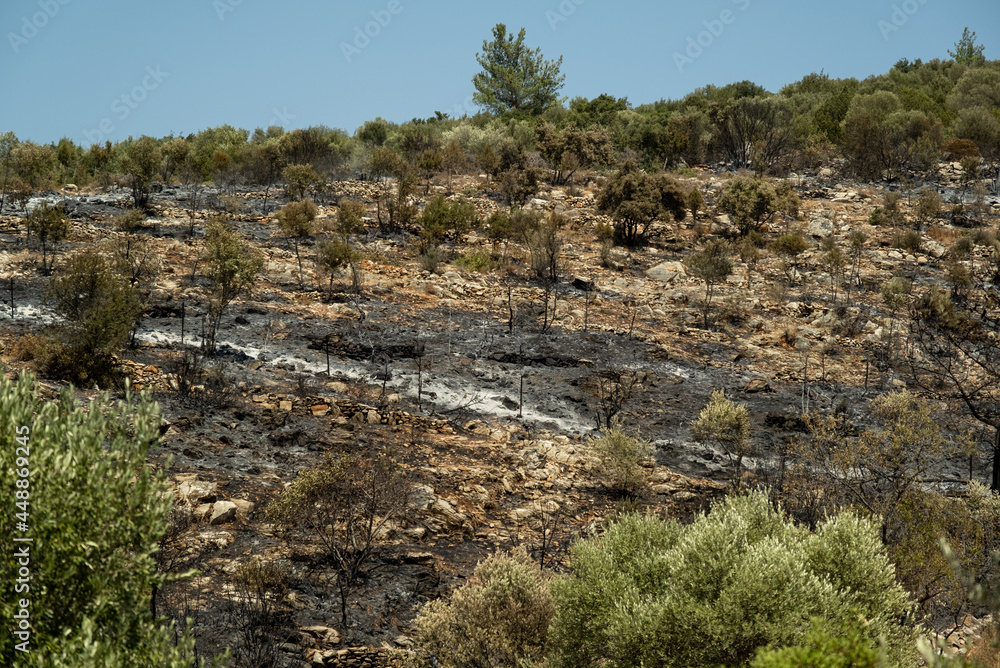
(95, 513)
(821, 650)
(653, 593)
(499, 619)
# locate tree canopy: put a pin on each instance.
(515, 77)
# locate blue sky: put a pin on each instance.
(106, 69)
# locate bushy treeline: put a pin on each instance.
(908, 118)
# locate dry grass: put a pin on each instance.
(943, 235)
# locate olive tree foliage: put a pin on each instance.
(514, 77)
(501, 618)
(33, 164)
(752, 203)
(141, 162)
(301, 180)
(233, 267)
(821, 649)
(635, 199)
(447, 219)
(96, 511)
(346, 503)
(654, 593)
(49, 225)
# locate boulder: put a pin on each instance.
(197, 490)
(244, 507)
(222, 512)
(667, 272)
(821, 227)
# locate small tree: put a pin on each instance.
(429, 162)
(100, 308)
(834, 260)
(233, 268)
(623, 457)
(514, 77)
(301, 180)
(453, 160)
(790, 247)
(141, 162)
(443, 219)
(501, 618)
(754, 202)
(634, 199)
(350, 217)
(296, 219)
(333, 255)
(712, 265)
(967, 51)
(346, 503)
(544, 243)
(49, 224)
(728, 425)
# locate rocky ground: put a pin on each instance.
(490, 417)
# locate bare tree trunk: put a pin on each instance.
(995, 482)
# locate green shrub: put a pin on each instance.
(444, 219)
(622, 457)
(652, 592)
(820, 649)
(99, 309)
(478, 261)
(908, 240)
(499, 619)
(96, 512)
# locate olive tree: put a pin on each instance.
(712, 264)
(79, 478)
(99, 309)
(501, 618)
(655, 593)
(724, 422)
(752, 203)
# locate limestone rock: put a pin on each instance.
(222, 512)
(821, 227)
(667, 272)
